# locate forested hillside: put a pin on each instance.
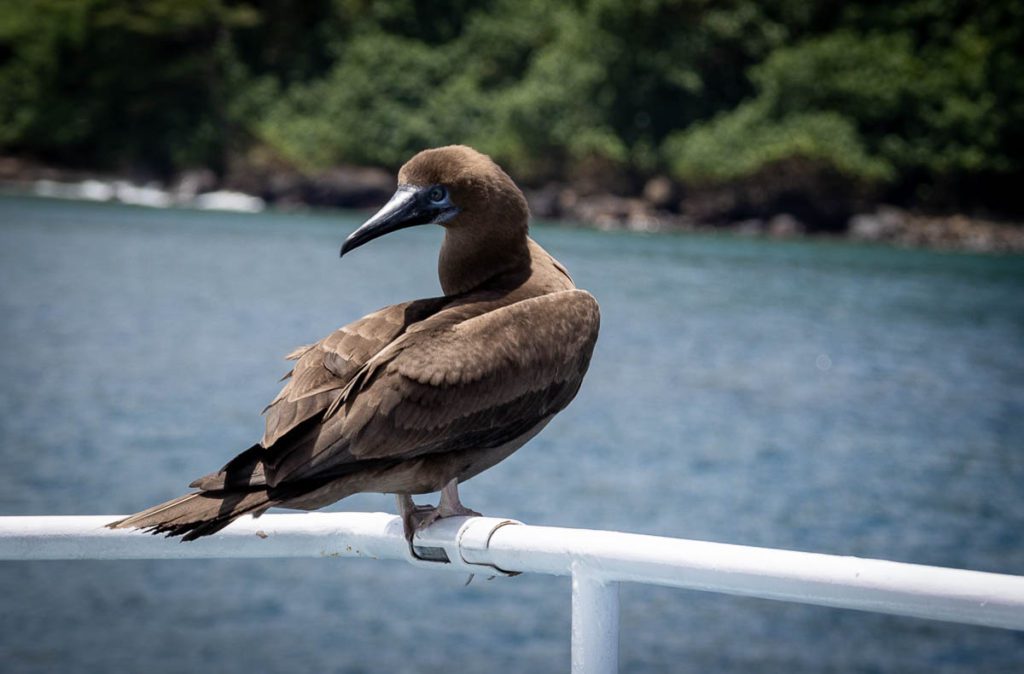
(917, 103)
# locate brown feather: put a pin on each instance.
(448, 382)
(195, 515)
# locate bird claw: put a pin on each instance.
(458, 510)
(422, 516)
(417, 518)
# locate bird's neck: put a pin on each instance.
(468, 261)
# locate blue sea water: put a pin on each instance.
(808, 395)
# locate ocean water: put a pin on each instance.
(815, 396)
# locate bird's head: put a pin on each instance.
(455, 187)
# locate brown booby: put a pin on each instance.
(421, 396)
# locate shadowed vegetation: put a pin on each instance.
(920, 103)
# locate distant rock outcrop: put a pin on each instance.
(662, 205)
(952, 232)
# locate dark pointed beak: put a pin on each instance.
(407, 208)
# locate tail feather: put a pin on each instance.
(197, 514)
(242, 472)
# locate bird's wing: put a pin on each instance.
(447, 385)
(326, 367)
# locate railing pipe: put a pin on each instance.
(492, 546)
(595, 623)
(973, 597)
(372, 535)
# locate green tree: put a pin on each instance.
(116, 84)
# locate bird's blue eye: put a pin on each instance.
(437, 194)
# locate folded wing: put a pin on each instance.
(321, 371)
(449, 385)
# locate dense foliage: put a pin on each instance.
(919, 101)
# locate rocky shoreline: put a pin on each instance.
(659, 208)
(883, 223)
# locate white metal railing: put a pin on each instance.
(596, 560)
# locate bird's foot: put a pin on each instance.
(455, 510)
(421, 517)
(418, 517)
(450, 505)
(414, 517)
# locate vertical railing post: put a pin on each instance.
(595, 623)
